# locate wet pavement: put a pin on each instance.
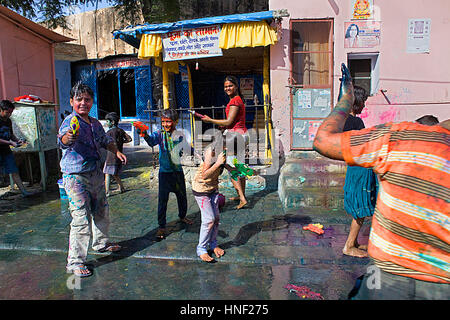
(266, 249)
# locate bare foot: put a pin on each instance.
(186, 220)
(234, 198)
(218, 252)
(206, 257)
(355, 252)
(241, 205)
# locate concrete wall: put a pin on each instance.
(63, 76)
(26, 63)
(94, 31)
(415, 84)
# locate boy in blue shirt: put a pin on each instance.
(171, 175)
(84, 181)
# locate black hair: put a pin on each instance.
(113, 117)
(80, 88)
(360, 96)
(170, 114)
(6, 105)
(428, 120)
(234, 81)
(347, 33)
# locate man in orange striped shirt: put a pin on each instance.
(409, 239)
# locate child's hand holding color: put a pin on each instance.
(221, 158)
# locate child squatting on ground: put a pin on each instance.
(113, 165)
(7, 139)
(205, 187)
(171, 175)
(83, 180)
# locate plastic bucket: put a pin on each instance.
(62, 191)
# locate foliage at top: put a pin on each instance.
(53, 12)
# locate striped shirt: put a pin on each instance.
(410, 229)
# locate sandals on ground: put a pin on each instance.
(80, 271)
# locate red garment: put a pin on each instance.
(239, 123)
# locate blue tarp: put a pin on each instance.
(131, 33)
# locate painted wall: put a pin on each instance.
(415, 84)
(26, 63)
(63, 76)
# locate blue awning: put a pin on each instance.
(131, 34)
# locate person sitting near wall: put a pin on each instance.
(235, 125)
(7, 138)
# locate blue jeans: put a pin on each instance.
(209, 208)
(380, 285)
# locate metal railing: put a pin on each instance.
(257, 122)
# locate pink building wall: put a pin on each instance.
(26, 63)
(416, 83)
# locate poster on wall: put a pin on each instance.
(191, 43)
(418, 36)
(362, 9)
(362, 34)
(311, 103)
(247, 86)
(304, 99)
(312, 129)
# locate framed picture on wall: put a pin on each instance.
(361, 9)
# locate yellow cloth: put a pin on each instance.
(172, 66)
(246, 34)
(151, 46)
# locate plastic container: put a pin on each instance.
(62, 191)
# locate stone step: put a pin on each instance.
(314, 165)
(312, 181)
(325, 198)
(308, 180)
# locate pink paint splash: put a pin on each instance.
(303, 292)
(364, 114)
(388, 115)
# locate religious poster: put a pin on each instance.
(247, 87)
(191, 43)
(362, 9)
(418, 36)
(362, 34)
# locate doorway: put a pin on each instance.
(116, 92)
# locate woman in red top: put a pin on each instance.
(234, 124)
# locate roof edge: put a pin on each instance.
(25, 23)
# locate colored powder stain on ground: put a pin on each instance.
(304, 292)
